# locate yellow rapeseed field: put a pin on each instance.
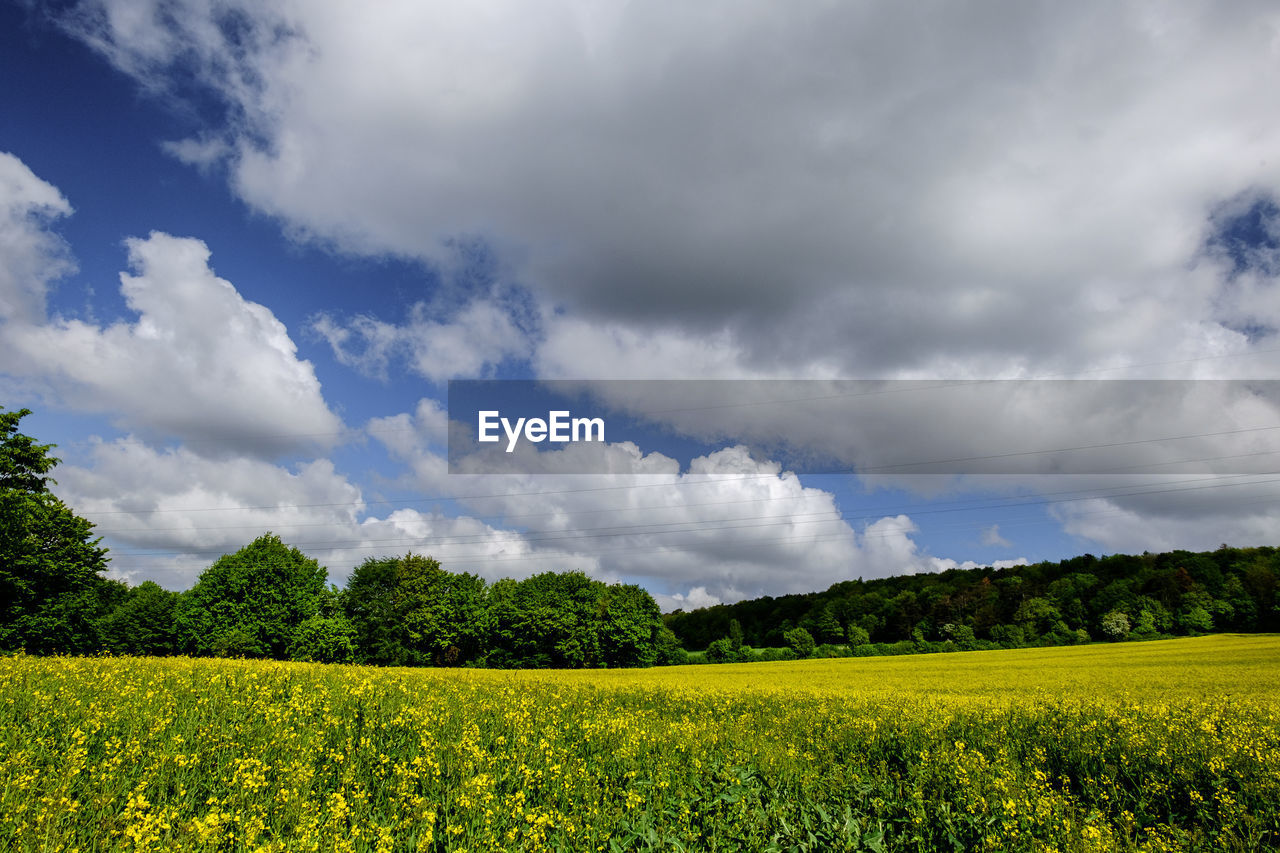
(1171, 745)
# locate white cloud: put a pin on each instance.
(468, 343)
(1192, 513)
(200, 362)
(168, 514)
(727, 528)
(742, 190)
(31, 256)
(991, 536)
(868, 190)
(698, 597)
(943, 564)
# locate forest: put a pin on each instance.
(1082, 599)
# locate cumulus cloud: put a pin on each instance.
(873, 190)
(200, 362)
(943, 564)
(726, 527)
(748, 190)
(167, 514)
(31, 255)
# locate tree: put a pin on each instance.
(800, 641)
(1038, 617)
(547, 620)
(142, 623)
(1115, 624)
(408, 611)
(442, 611)
(961, 635)
(629, 625)
(670, 652)
(371, 604)
(324, 639)
(1009, 636)
(23, 463)
(1146, 624)
(827, 626)
(858, 636)
(1195, 620)
(721, 651)
(250, 603)
(51, 586)
(735, 635)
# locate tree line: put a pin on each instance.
(1077, 600)
(270, 600)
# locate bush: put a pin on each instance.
(1115, 625)
(801, 642)
(721, 651)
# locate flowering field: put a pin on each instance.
(1170, 745)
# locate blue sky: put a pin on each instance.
(246, 246)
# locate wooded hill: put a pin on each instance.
(1076, 600)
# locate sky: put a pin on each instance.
(246, 247)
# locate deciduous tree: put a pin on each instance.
(51, 585)
(251, 602)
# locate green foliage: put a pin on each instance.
(1195, 620)
(408, 611)
(324, 639)
(51, 588)
(961, 635)
(800, 641)
(443, 612)
(549, 620)
(735, 634)
(857, 635)
(827, 626)
(629, 623)
(23, 463)
(1037, 616)
(722, 651)
(1041, 604)
(669, 650)
(250, 603)
(372, 603)
(1146, 624)
(236, 641)
(1009, 636)
(142, 623)
(569, 620)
